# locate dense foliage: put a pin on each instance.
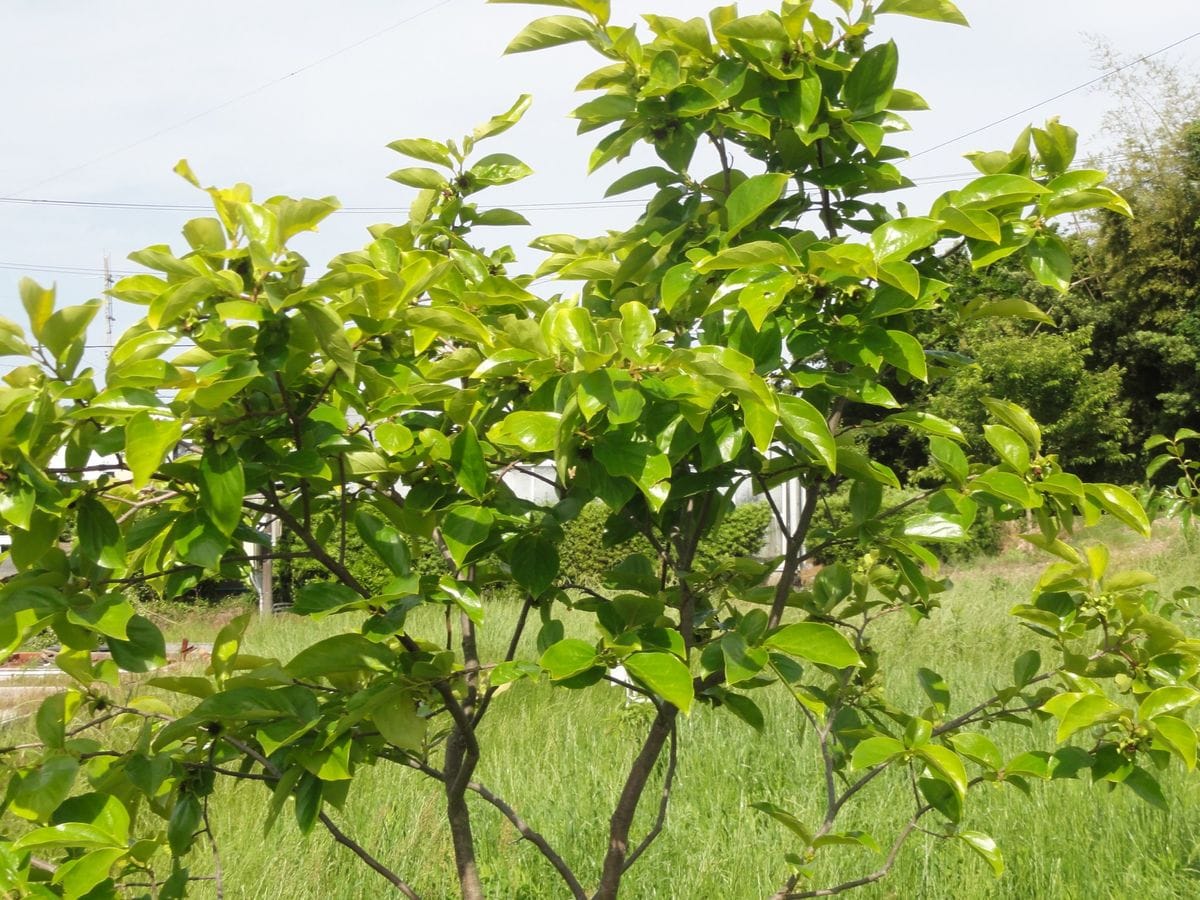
(745, 328)
(586, 550)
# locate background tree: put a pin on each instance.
(721, 339)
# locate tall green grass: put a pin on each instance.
(560, 756)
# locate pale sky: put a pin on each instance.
(100, 99)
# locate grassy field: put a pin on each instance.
(559, 758)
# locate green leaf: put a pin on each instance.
(506, 120)
(466, 458)
(1178, 736)
(1017, 419)
(929, 424)
(395, 715)
(79, 876)
(804, 423)
(1010, 446)
(464, 528)
(331, 335)
(147, 442)
(1088, 710)
(1147, 787)
(183, 823)
(340, 654)
(1165, 700)
(946, 762)
(39, 304)
(950, 459)
(754, 253)
(498, 169)
(985, 847)
(1050, 261)
(222, 486)
(816, 642)
(63, 333)
(41, 789)
(100, 538)
(934, 10)
(638, 178)
(534, 562)
(973, 223)
(568, 657)
(875, 750)
(992, 191)
(384, 540)
(420, 177)
(786, 819)
(1025, 667)
(665, 674)
(901, 238)
(934, 527)
(533, 432)
(979, 748)
(869, 85)
(109, 615)
(424, 150)
(1121, 504)
(67, 834)
(143, 650)
(1013, 308)
(751, 198)
(742, 663)
(552, 31)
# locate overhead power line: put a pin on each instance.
(1079, 87)
(236, 99)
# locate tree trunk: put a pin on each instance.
(635, 786)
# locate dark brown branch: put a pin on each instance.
(663, 803)
(631, 794)
(514, 817)
(877, 875)
(357, 849)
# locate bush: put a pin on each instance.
(984, 537)
(583, 552)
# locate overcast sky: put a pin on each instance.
(100, 99)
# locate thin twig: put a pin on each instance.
(663, 803)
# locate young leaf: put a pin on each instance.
(985, 847)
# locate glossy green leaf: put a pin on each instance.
(946, 763)
(875, 750)
(420, 177)
(751, 198)
(869, 85)
(464, 528)
(568, 657)
(985, 847)
(534, 563)
(1050, 261)
(665, 674)
(100, 538)
(384, 540)
(1121, 505)
(935, 10)
(901, 238)
(143, 649)
(533, 432)
(148, 440)
(1179, 736)
(552, 31)
(804, 424)
(1017, 419)
(787, 819)
(222, 486)
(424, 150)
(1010, 446)
(979, 748)
(1088, 710)
(815, 642)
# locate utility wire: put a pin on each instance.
(1079, 87)
(240, 97)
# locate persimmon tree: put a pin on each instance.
(741, 330)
